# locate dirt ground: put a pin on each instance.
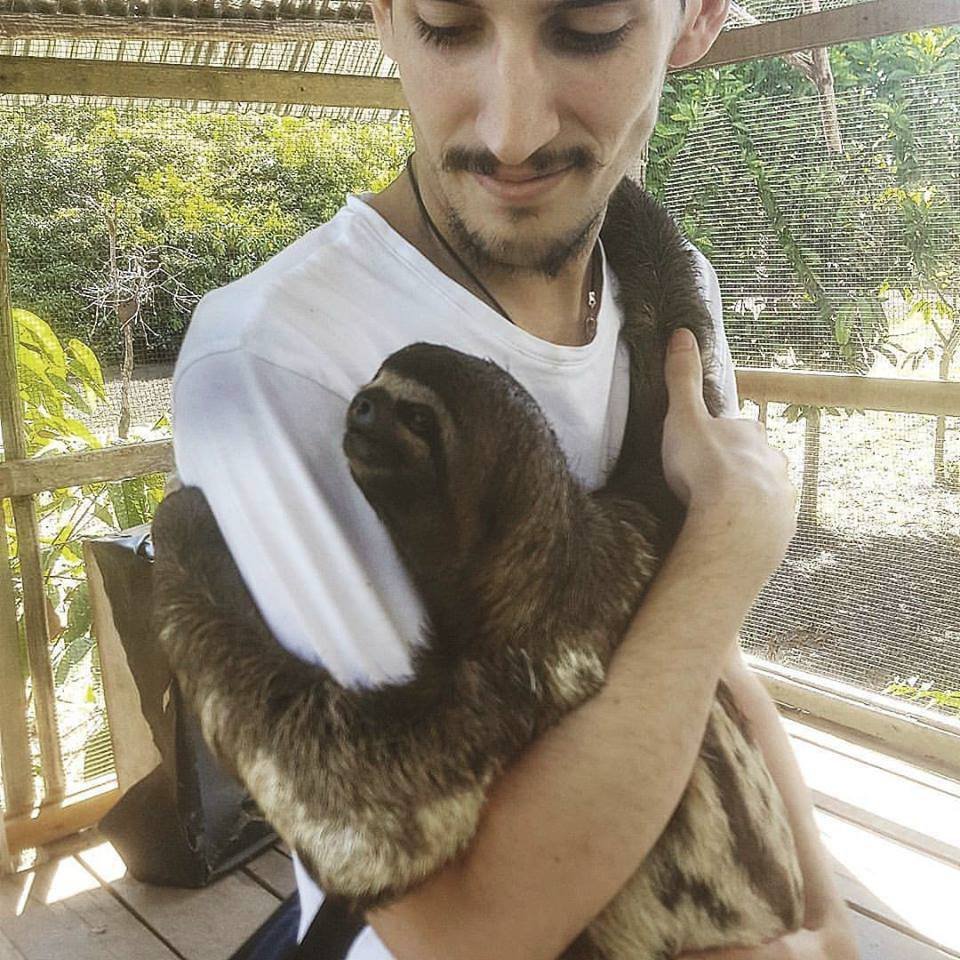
(865, 610)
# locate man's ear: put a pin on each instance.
(383, 19)
(702, 22)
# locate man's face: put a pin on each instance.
(510, 89)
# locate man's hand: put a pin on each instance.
(736, 487)
(833, 940)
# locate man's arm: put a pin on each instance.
(568, 823)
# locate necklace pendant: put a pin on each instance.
(590, 327)
(592, 299)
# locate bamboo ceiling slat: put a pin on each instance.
(84, 27)
(294, 22)
(333, 11)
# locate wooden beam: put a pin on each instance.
(28, 543)
(859, 21)
(53, 76)
(928, 397)
(916, 734)
(54, 821)
(65, 26)
(102, 78)
(27, 477)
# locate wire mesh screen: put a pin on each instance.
(121, 217)
(747, 11)
(868, 591)
(65, 518)
(845, 262)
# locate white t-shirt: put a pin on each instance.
(260, 394)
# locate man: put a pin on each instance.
(526, 115)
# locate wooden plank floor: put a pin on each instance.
(893, 830)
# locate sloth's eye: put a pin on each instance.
(418, 418)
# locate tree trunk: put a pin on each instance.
(125, 308)
(823, 78)
(125, 314)
(811, 469)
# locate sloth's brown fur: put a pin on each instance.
(529, 583)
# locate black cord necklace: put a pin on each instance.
(590, 324)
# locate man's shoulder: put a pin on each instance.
(280, 310)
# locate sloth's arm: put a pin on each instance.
(374, 788)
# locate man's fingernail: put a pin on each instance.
(681, 340)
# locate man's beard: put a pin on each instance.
(500, 256)
(508, 258)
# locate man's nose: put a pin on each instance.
(518, 114)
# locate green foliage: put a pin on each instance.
(208, 197)
(57, 382)
(916, 690)
(52, 380)
(747, 132)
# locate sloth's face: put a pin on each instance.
(428, 440)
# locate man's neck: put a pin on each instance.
(552, 310)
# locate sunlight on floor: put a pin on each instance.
(105, 862)
(65, 880)
(919, 890)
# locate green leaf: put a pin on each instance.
(31, 330)
(86, 367)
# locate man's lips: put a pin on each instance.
(527, 188)
(523, 175)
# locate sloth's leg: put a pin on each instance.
(374, 788)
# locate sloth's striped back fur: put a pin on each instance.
(529, 583)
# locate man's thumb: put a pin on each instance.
(683, 371)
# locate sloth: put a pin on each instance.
(529, 583)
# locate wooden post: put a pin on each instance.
(810, 486)
(14, 736)
(28, 538)
(6, 864)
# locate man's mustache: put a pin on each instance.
(459, 159)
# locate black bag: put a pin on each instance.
(186, 822)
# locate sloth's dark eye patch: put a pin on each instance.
(420, 419)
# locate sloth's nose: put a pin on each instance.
(368, 409)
